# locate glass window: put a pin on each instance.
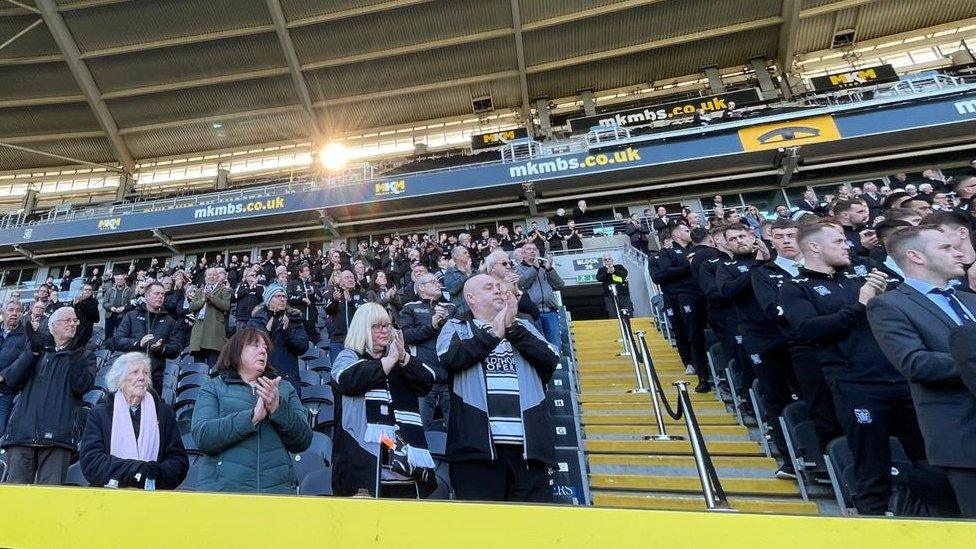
(765, 201)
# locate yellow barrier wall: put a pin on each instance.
(80, 518)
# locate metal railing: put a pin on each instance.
(712, 491)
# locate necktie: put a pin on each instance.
(950, 296)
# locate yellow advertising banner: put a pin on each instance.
(789, 133)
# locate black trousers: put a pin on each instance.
(771, 366)
(207, 356)
(815, 392)
(507, 478)
(623, 301)
(870, 413)
(963, 481)
(46, 465)
(111, 323)
(688, 317)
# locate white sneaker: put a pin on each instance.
(690, 370)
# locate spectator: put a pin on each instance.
(115, 302)
(661, 220)
(380, 292)
(554, 237)
(95, 280)
(810, 203)
(504, 239)
(211, 305)
(572, 237)
(581, 214)
(539, 280)
(955, 226)
(456, 276)
(637, 232)
(65, 284)
(380, 384)
(500, 441)
(852, 215)
(150, 330)
(246, 422)
(913, 323)
(249, 295)
(340, 307)
(304, 296)
(611, 274)
(826, 306)
(285, 329)
(14, 343)
(421, 322)
(36, 325)
(131, 440)
(873, 200)
(53, 302)
(560, 218)
(537, 237)
(40, 436)
(86, 308)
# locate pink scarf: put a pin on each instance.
(124, 443)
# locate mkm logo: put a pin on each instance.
(390, 187)
(109, 224)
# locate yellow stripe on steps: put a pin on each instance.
(717, 430)
(637, 460)
(646, 419)
(691, 484)
(696, 503)
(679, 447)
(603, 395)
(712, 405)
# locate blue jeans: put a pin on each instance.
(6, 405)
(548, 324)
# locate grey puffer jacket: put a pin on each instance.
(240, 456)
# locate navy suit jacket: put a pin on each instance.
(914, 333)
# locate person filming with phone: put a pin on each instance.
(285, 327)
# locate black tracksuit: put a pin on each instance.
(685, 305)
(741, 281)
(138, 323)
(298, 290)
(247, 299)
(871, 397)
(720, 315)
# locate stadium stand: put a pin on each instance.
(464, 251)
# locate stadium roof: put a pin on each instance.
(126, 81)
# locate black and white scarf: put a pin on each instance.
(397, 409)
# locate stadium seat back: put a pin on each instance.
(306, 463)
(316, 483)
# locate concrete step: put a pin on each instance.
(696, 503)
(642, 405)
(691, 485)
(670, 447)
(616, 395)
(659, 461)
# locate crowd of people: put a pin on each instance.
(862, 305)
(411, 324)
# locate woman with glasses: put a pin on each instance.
(379, 385)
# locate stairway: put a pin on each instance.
(627, 471)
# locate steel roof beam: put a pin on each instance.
(69, 49)
(786, 49)
(520, 59)
(294, 68)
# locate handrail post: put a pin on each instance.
(709, 480)
(655, 390)
(620, 322)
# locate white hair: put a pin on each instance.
(494, 257)
(121, 368)
(58, 313)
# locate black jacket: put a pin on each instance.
(99, 465)
(52, 384)
(462, 348)
(247, 299)
(340, 313)
(138, 323)
(15, 344)
(286, 345)
(619, 277)
(672, 271)
(734, 279)
(854, 241)
(297, 291)
(825, 311)
(638, 235)
(87, 312)
(421, 336)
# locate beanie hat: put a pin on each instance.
(270, 292)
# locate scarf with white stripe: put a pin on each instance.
(397, 409)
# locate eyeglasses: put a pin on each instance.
(382, 327)
(505, 263)
(69, 320)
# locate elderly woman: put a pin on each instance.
(131, 440)
(246, 421)
(379, 385)
(284, 326)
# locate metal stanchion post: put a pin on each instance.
(620, 321)
(712, 503)
(662, 431)
(641, 388)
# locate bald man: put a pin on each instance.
(500, 441)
